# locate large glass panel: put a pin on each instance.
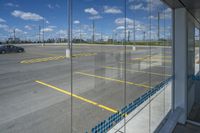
(169, 58)
(121, 58)
(34, 73)
(161, 61)
(108, 65)
(98, 55)
(190, 64)
(197, 43)
(190, 53)
(149, 65)
(138, 65)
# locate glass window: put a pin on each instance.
(197, 50)
(35, 75)
(122, 61)
(83, 66)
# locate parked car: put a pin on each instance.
(10, 49)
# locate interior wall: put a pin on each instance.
(180, 56)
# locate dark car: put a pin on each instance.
(10, 49)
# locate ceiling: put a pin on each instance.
(193, 6)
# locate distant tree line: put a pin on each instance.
(160, 42)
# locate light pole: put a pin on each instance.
(39, 34)
(158, 26)
(93, 31)
(134, 22)
(80, 33)
(113, 37)
(14, 37)
(43, 33)
(128, 36)
(134, 30)
(101, 37)
(144, 38)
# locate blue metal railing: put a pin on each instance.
(107, 124)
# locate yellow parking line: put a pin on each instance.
(42, 60)
(111, 79)
(128, 70)
(84, 54)
(142, 58)
(150, 59)
(78, 97)
(159, 60)
(38, 60)
(44, 54)
(161, 56)
(148, 64)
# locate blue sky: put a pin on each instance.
(25, 16)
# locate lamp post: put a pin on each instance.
(43, 42)
(93, 31)
(14, 37)
(39, 34)
(158, 26)
(80, 32)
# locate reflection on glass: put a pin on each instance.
(114, 74)
(97, 39)
(35, 75)
(197, 39)
(124, 64)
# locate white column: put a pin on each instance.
(180, 57)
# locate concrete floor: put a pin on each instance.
(27, 106)
(147, 117)
(187, 128)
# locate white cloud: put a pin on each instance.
(28, 27)
(139, 6)
(145, 4)
(155, 4)
(27, 15)
(112, 10)
(62, 33)
(165, 14)
(76, 22)
(18, 30)
(50, 6)
(120, 28)
(3, 26)
(2, 20)
(121, 21)
(47, 22)
(131, 1)
(168, 10)
(47, 29)
(152, 17)
(52, 26)
(11, 4)
(139, 26)
(91, 11)
(95, 17)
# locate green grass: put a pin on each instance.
(153, 43)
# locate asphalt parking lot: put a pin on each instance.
(35, 86)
